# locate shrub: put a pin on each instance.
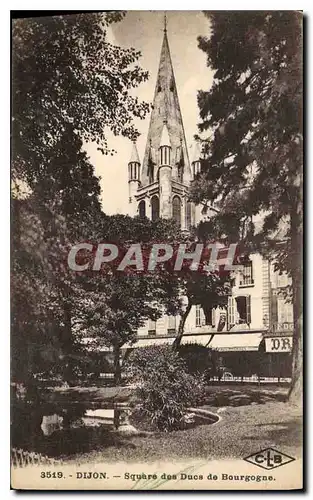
(164, 388)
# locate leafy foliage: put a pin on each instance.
(65, 71)
(200, 360)
(69, 85)
(252, 167)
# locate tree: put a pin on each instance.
(69, 85)
(209, 289)
(252, 169)
(120, 302)
(64, 71)
(61, 206)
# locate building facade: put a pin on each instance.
(158, 187)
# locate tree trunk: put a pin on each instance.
(117, 365)
(296, 389)
(181, 327)
(67, 343)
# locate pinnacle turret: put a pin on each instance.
(196, 152)
(134, 158)
(196, 160)
(134, 165)
(165, 138)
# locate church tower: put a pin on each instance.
(161, 190)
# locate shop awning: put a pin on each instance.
(236, 342)
(196, 339)
(153, 341)
(220, 342)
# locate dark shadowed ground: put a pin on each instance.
(251, 418)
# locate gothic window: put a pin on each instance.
(151, 171)
(133, 171)
(165, 155)
(159, 88)
(176, 203)
(142, 209)
(151, 165)
(155, 208)
(196, 167)
(247, 277)
(180, 164)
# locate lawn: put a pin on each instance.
(251, 419)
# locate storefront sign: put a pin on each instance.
(278, 344)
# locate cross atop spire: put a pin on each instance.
(165, 23)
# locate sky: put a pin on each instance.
(143, 30)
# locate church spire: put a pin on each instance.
(166, 109)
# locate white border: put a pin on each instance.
(5, 160)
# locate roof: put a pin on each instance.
(166, 108)
(165, 138)
(134, 158)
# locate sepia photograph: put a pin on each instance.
(157, 250)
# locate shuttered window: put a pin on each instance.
(247, 277)
(248, 305)
(282, 280)
(152, 327)
(198, 315)
(243, 309)
(171, 324)
(231, 312)
(213, 317)
(284, 310)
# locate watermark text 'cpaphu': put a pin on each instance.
(149, 258)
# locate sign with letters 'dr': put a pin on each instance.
(278, 344)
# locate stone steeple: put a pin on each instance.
(166, 109)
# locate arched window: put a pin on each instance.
(177, 210)
(142, 209)
(155, 208)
